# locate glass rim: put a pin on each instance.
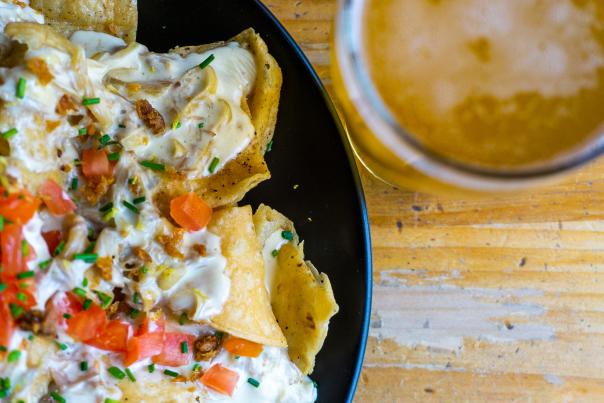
(369, 104)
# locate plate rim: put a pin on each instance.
(342, 131)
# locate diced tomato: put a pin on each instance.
(221, 379)
(172, 354)
(242, 347)
(53, 239)
(113, 338)
(95, 163)
(144, 346)
(7, 323)
(13, 261)
(61, 304)
(190, 212)
(57, 201)
(86, 325)
(18, 207)
(20, 293)
(153, 323)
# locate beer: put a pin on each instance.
(472, 91)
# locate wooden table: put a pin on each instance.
(500, 299)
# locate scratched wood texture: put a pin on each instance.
(498, 299)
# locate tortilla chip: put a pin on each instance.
(301, 297)
(247, 312)
(164, 391)
(115, 17)
(237, 177)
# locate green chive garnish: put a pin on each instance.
(74, 184)
(26, 274)
(105, 138)
(82, 131)
(196, 366)
(176, 125)
(113, 156)
(136, 298)
(105, 299)
(67, 316)
(171, 373)
(77, 162)
(130, 207)
(144, 269)
(206, 62)
(15, 310)
(85, 282)
(151, 368)
(10, 133)
(139, 200)
(153, 165)
(287, 235)
(1, 223)
(62, 346)
(219, 335)
(13, 356)
(21, 297)
(3, 349)
(90, 247)
(253, 382)
(269, 146)
(84, 366)
(106, 207)
(57, 397)
(87, 303)
(80, 292)
(182, 319)
(134, 313)
(59, 248)
(30, 337)
(213, 164)
(184, 347)
(2, 287)
(201, 125)
(130, 375)
(87, 257)
(21, 87)
(275, 252)
(107, 400)
(24, 248)
(91, 101)
(116, 372)
(44, 265)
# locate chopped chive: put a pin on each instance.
(130, 181)
(104, 298)
(44, 265)
(59, 248)
(108, 400)
(253, 382)
(153, 165)
(176, 125)
(79, 292)
(130, 375)
(213, 164)
(91, 101)
(21, 297)
(201, 125)
(136, 298)
(171, 373)
(3, 349)
(82, 131)
(116, 372)
(131, 207)
(85, 282)
(2, 287)
(121, 126)
(5, 383)
(87, 303)
(57, 397)
(106, 207)
(26, 274)
(84, 366)
(196, 366)
(182, 319)
(74, 184)
(105, 138)
(113, 156)
(62, 346)
(287, 235)
(269, 146)
(219, 335)
(21, 87)
(134, 313)
(184, 347)
(67, 316)
(77, 162)
(10, 133)
(90, 247)
(13, 356)
(151, 368)
(139, 200)
(15, 310)
(23, 286)
(30, 337)
(24, 248)
(144, 269)
(206, 62)
(86, 257)
(1, 223)
(275, 253)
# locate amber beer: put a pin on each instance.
(442, 95)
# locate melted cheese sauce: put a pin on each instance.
(209, 106)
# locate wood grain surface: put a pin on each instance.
(496, 299)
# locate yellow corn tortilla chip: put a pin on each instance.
(115, 17)
(302, 298)
(236, 178)
(247, 312)
(164, 391)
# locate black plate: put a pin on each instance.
(308, 151)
